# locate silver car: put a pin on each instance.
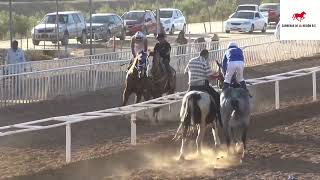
(105, 26)
(71, 25)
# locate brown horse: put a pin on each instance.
(162, 82)
(136, 82)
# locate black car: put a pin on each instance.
(105, 26)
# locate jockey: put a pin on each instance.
(164, 50)
(233, 63)
(199, 73)
(139, 43)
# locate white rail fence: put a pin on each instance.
(147, 105)
(48, 84)
(123, 55)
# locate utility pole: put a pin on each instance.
(10, 22)
(57, 24)
(158, 18)
(91, 33)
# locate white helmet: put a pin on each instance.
(232, 44)
(139, 35)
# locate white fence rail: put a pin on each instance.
(133, 109)
(48, 84)
(123, 55)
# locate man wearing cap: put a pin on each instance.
(233, 64)
(15, 55)
(200, 73)
(164, 50)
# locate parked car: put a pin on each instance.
(105, 26)
(246, 21)
(248, 7)
(71, 25)
(172, 20)
(144, 21)
(271, 11)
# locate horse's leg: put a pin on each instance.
(215, 134)
(138, 97)
(244, 139)
(146, 96)
(235, 139)
(127, 92)
(172, 83)
(227, 132)
(201, 133)
(183, 142)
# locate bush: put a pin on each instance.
(22, 25)
(38, 55)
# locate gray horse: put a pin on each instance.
(235, 115)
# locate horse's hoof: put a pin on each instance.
(243, 152)
(181, 158)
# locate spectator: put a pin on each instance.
(200, 44)
(15, 56)
(215, 38)
(181, 40)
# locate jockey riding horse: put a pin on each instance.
(136, 80)
(162, 82)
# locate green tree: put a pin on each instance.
(4, 24)
(21, 24)
(105, 9)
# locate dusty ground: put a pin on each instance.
(281, 142)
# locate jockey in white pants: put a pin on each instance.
(233, 63)
(139, 43)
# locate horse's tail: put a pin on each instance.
(235, 104)
(188, 113)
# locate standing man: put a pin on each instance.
(182, 40)
(164, 50)
(200, 73)
(15, 55)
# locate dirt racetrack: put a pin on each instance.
(281, 143)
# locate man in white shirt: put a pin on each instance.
(13, 57)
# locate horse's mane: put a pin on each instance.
(135, 61)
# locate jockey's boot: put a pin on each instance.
(225, 85)
(244, 86)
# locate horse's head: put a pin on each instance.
(220, 78)
(303, 13)
(153, 63)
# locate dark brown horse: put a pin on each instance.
(136, 82)
(152, 83)
(162, 82)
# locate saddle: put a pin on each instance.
(234, 83)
